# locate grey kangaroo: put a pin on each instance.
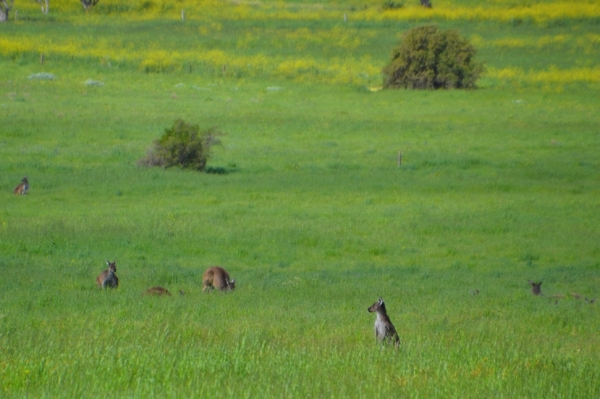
(217, 277)
(22, 188)
(384, 329)
(108, 278)
(536, 288)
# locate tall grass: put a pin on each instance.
(311, 213)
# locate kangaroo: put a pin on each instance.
(217, 277)
(108, 278)
(384, 329)
(474, 292)
(22, 188)
(536, 288)
(157, 291)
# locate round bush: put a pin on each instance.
(182, 145)
(429, 58)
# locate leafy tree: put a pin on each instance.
(183, 145)
(88, 4)
(5, 7)
(44, 4)
(429, 58)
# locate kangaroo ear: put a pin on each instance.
(108, 263)
(380, 300)
(232, 281)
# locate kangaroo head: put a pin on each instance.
(377, 306)
(24, 180)
(231, 285)
(112, 267)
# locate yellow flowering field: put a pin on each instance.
(333, 43)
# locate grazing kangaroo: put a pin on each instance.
(217, 277)
(536, 287)
(22, 188)
(108, 278)
(157, 291)
(384, 329)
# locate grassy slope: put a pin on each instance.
(315, 220)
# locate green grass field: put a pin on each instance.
(312, 215)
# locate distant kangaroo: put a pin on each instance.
(22, 188)
(536, 288)
(157, 291)
(217, 277)
(384, 329)
(108, 278)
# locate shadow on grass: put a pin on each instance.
(219, 170)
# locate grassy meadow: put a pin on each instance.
(308, 208)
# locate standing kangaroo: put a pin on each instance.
(108, 278)
(384, 329)
(22, 188)
(536, 288)
(157, 291)
(217, 277)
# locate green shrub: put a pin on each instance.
(391, 5)
(182, 145)
(429, 58)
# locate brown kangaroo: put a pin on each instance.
(536, 288)
(108, 278)
(217, 277)
(22, 188)
(157, 291)
(384, 329)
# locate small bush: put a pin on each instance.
(429, 58)
(182, 145)
(391, 5)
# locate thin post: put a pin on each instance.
(183, 15)
(399, 158)
(41, 58)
